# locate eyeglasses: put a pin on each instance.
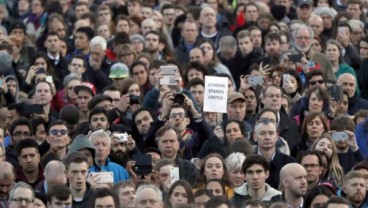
(303, 37)
(179, 115)
(317, 81)
(56, 132)
(273, 95)
(21, 134)
(19, 200)
(312, 166)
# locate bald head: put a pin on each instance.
(288, 169)
(148, 25)
(293, 180)
(54, 166)
(316, 23)
(7, 171)
(348, 83)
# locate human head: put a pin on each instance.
(58, 134)
(101, 140)
(234, 131)
(180, 192)
(302, 37)
(313, 126)
(21, 194)
(256, 170)
(20, 129)
(149, 195)
(217, 202)
(348, 83)
(167, 141)
(271, 97)
(76, 166)
(293, 180)
(312, 163)
(336, 201)
(201, 197)
(354, 187)
(315, 78)
(236, 107)
(7, 179)
(59, 195)
(318, 196)
(213, 167)
(28, 155)
(126, 193)
(233, 165)
(104, 197)
(55, 173)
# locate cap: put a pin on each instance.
(85, 86)
(97, 99)
(18, 24)
(325, 10)
(235, 96)
(69, 114)
(137, 37)
(305, 2)
(119, 70)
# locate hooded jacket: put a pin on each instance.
(242, 195)
(81, 142)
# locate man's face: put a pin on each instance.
(140, 74)
(272, 48)
(106, 201)
(80, 10)
(355, 190)
(6, 184)
(52, 44)
(12, 86)
(317, 81)
(316, 23)
(296, 182)
(313, 168)
(115, 95)
(168, 144)
(256, 37)
(251, 13)
(245, 45)
(146, 12)
(342, 106)
(196, 55)
(57, 26)
(58, 136)
(96, 53)
(303, 40)
(77, 66)
(148, 25)
(122, 26)
(354, 11)
(77, 175)
(143, 122)
(152, 43)
(198, 93)
(327, 21)
(272, 98)
(348, 83)
(256, 177)
(208, 17)
(178, 119)
(20, 132)
(236, 110)
(148, 198)
(81, 41)
(83, 97)
(99, 121)
(190, 32)
(29, 159)
(266, 136)
(250, 101)
(168, 16)
(43, 94)
(102, 147)
(56, 203)
(134, 8)
(127, 197)
(18, 33)
(25, 194)
(304, 12)
(363, 49)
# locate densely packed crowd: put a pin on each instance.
(103, 103)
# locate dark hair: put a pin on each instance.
(310, 152)
(321, 94)
(121, 37)
(254, 203)
(75, 157)
(156, 64)
(102, 193)
(26, 143)
(255, 159)
(217, 201)
(240, 125)
(161, 131)
(52, 33)
(360, 113)
(58, 191)
(314, 192)
(201, 192)
(78, 56)
(187, 188)
(137, 63)
(97, 110)
(195, 82)
(342, 123)
(54, 123)
(272, 37)
(87, 31)
(265, 110)
(19, 122)
(36, 122)
(219, 181)
(360, 166)
(312, 74)
(197, 66)
(336, 200)
(296, 75)
(307, 119)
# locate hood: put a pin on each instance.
(81, 142)
(12, 77)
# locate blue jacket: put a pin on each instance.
(361, 134)
(120, 174)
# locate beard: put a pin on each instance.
(357, 198)
(119, 157)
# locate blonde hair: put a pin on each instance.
(334, 166)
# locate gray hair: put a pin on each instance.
(234, 161)
(256, 128)
(303, 26)
(71, 77)
(98, 40)
(7, 170)
(227, 41)
(100, 134)
(23, 185)
(54, 164)
(148, 186)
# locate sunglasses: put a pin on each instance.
(317, 81)
(55, 132)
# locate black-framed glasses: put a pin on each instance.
(317, 81)
(175, 115)
(56, 132)
(312, 166)
(20, 200)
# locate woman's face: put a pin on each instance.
(134, 28)
(236, 177)
(158, 21)
(208, 52)
(140, 74)
(12, 86)
(315, 103)
(294, 82)
(194, 73)
(324, 145)
(332, 52)
(216, 188)
(134, 90)
(274, 29)
(213, 168)
(127, 58)
(179, 196)
(233, 132)
(319, 201)
(276, 78)
(41, 63)
(165, 172)
(70, 89)
(322, 3)
(315, 128)
(36, 7)
(316, 46)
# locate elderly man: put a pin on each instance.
(22, 195)
(102, 143)
(316, 23)
(293, 180)
(7, 179)
(349, 84)
(149, 195)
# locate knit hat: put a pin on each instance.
(119, 70)
(70, 114)
(137, 37)
(325, 10)
(97, 99)
(17, 24)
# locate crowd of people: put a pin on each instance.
(103, 104)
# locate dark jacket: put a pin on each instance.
(187, 171)
(100, 77)
(86, 201)
(181, 53)
(356, 103)
(11, 156)
(352, 57)
(288, 129)
(349, 159)
(362, 75)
